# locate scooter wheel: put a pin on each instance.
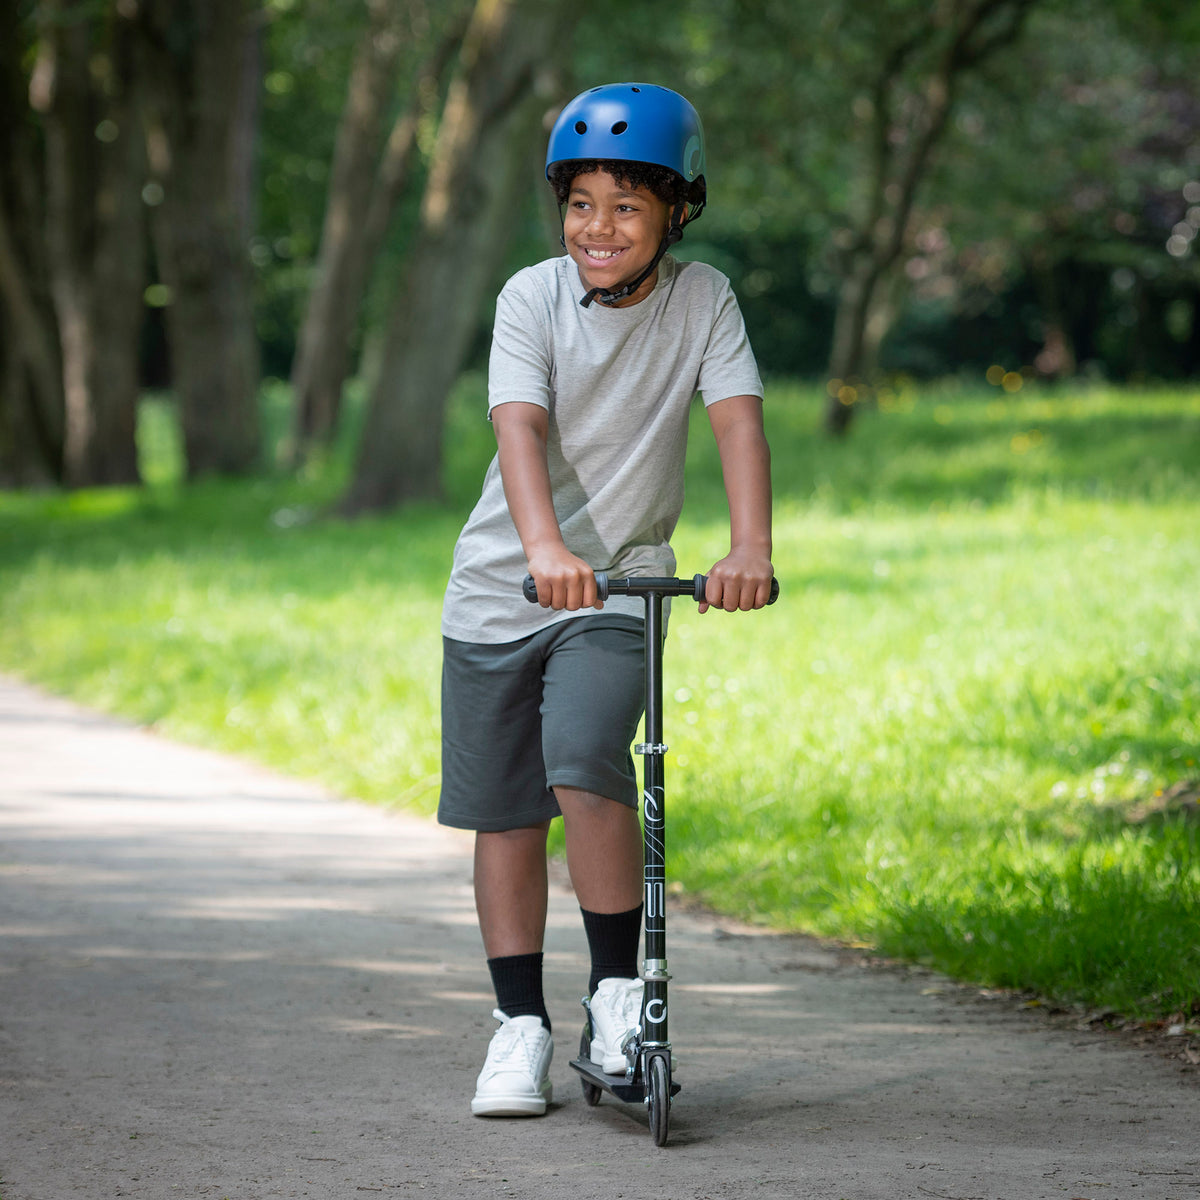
(591, 1093)
(658, 1096)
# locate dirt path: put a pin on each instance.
(216, 982)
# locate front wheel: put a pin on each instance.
(658, 1096)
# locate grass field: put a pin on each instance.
(968, 734)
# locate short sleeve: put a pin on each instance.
(520, 362)
(728, 367)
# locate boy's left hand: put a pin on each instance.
(740, 581)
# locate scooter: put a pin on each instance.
(648, 1077)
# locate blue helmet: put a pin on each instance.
(631, 122)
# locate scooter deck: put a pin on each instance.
(616, 1085)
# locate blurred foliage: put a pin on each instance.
(1070, 153)
(1067, 167)
(1065, 195)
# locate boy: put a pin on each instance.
(595, 359)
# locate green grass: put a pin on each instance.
(946, 741)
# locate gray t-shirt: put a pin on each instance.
(618, 384)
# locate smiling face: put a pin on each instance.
(612, 231)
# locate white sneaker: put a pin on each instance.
(514, 1082)
(616, 1010)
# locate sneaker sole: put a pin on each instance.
(512, 1106)
(616, 1066)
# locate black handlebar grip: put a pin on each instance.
(530, 588)
(700, 582)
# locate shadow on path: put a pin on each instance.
(216, 982)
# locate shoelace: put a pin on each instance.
(511, 1046)
(628, 1008)
(631, 1007)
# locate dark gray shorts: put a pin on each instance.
(556, 709)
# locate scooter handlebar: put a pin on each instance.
(605, 587)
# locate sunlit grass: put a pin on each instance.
(946, 739)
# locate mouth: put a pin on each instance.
(602, 256)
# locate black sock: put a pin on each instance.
(517, 979)
(613, 942)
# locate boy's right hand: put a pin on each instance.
(563, 581)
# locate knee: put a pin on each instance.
(581, 805)
(526, 835)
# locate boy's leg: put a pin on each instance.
(493, 778)
(604, 851)
(592, 705)
(604, 855)
(510, 899)
(511, 890)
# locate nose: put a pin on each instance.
(601, 219)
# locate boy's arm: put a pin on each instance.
(742, 579)
(563, 580)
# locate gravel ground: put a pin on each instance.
(219, 982)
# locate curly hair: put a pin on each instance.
(669, 186)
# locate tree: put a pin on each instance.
(824, 120)
(31, 396)
(84, 88)
(1046, 238)
(368, 177)
(913, 85)
(493, 111)
(200, 64)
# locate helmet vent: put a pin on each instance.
(620, 127)
(581, 127)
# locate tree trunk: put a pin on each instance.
(957, 36)
(31, 397)
(476, 181)
(866, 309)
(199, 104)
(368, 177)
(1056, 359)
(846, 358)
(83, 86)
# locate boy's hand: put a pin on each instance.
(563, 581)
(741, 580)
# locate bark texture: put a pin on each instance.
(371, 169)
(493, 112)
(31, 398)
(200, 67)
(83, 86)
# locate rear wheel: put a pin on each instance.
(591, 1093)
